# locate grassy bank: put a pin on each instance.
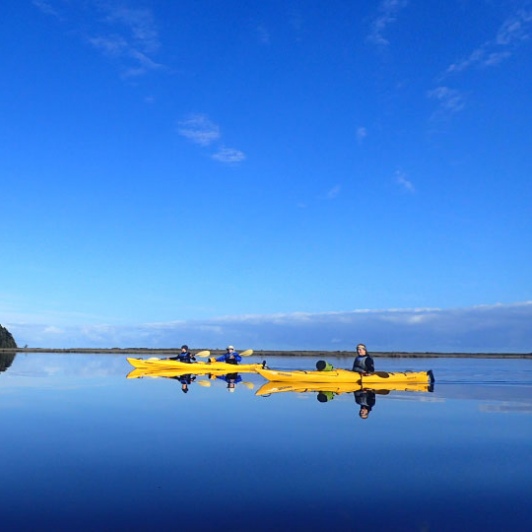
(262, 353)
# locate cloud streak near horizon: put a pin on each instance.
(489, 328)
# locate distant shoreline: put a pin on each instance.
(263, 353)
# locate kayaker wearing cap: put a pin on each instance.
(184, 356)
(363, 362)
(230, 356)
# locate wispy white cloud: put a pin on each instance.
(333, 192)
(450, 101)
(388, 12)
(139, 24)
(402, 180)
(489, 328)
(199, 129)
(361, 133)
(127, 35)
(515, 30)
(46, 7)
(263, 35)
(229, 155)
(52, 329)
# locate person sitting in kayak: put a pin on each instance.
(230, 356)
(363, 362)
(184, 356)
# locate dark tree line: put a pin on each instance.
(6, 339)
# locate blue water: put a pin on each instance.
(85, 448)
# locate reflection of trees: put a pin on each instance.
(6, 359)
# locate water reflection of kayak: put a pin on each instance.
(340, 387)
(174, 367)
(344, 375)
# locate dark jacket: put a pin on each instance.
(184, 357)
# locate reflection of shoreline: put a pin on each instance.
(6, 359)
(259, 353)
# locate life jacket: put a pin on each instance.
(360, 363)
(184, 357)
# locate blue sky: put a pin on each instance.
(296, 174)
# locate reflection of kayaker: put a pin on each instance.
(232, 379)
(366, 400)
(185, 380)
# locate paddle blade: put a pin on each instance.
(203, 354)
(247, 353)
(249, 385)
(205, 384)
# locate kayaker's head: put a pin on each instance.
(361, 349)
(364, 412)
(231, 386)
(184, 348)
(230, 348)
(184, 388)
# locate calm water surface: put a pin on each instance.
(85, 448)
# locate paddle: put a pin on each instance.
(381, 374)
(247, 353)
(198, 354)
(247, 384)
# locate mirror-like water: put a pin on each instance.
(85, 448)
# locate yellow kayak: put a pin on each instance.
(157, 365)
(344, 375)
(338, 388)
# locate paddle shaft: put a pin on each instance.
(246, 353)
